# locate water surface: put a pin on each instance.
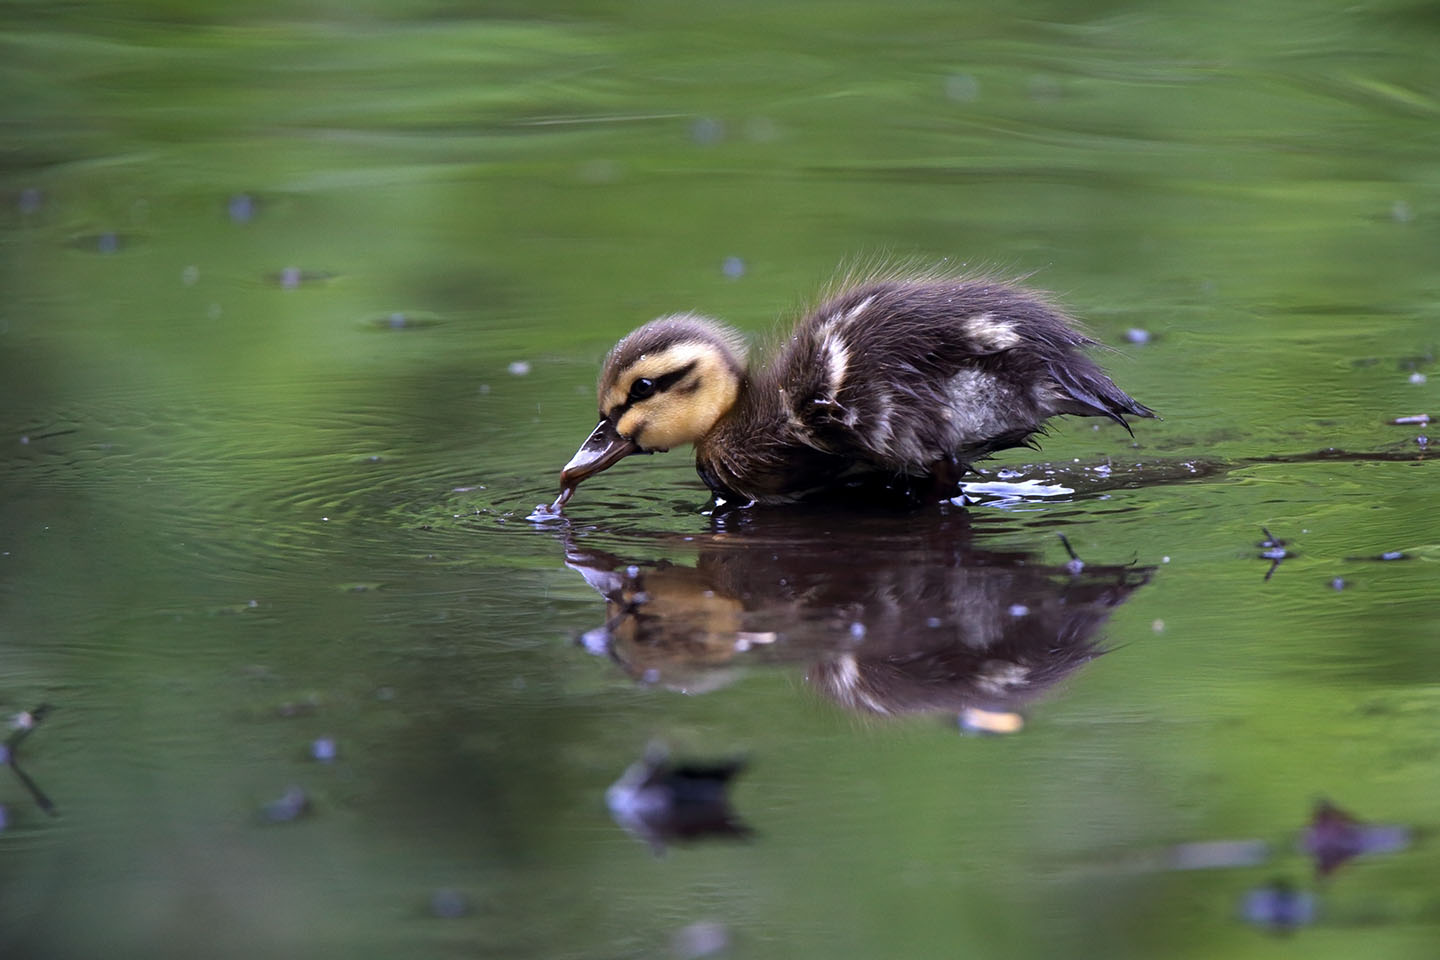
(302, 313)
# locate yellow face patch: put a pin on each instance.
(683, 410)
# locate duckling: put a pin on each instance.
(906, 379)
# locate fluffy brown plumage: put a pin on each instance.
(904, 380)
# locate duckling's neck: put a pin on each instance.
(753, 452)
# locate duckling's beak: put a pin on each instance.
(600, 450)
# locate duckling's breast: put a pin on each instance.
(764, 460)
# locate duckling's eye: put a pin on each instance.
(641, 388)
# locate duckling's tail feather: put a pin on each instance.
(1097, 395)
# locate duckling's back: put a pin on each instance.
(915, 377)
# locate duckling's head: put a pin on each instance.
(663, 386)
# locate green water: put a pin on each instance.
(267, 457)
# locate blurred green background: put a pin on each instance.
(302, 308)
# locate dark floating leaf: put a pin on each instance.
(1334, 837)
(662, 802)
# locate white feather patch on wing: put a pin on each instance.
(992, 332)
(837, 361)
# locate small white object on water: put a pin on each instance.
(974, 720)
(1158, 626)
(190, 276)
(707, 131)
(962, 88)
(1417, 377)
(1018, 610)
(700, 940)
(733, 267)
(1137, 335)
(519, 368)
(1016, 491)
(291, 277)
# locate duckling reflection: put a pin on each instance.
(893, 616)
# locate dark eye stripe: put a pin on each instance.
(675, 376)
(662, 383)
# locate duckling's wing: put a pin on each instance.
(900, 375)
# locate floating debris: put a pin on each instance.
(662, 802)
(707, 131)
(1417, 377)
(962, 87)
(1278, 908)
(1137, 335)
(404, 320)
(291, 805)
(979, 722)
(1418, 419)
(298, 708)
(1273, 549)
(1075, 565)
(699, 940)
(1338, 584)
(519, 368)
(1218, 855)
(241, 208)
(292, 278)
(1334, 837)
(24, 723)
(103, 243)
(733, 267)
(449, 904)
(324, 749)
